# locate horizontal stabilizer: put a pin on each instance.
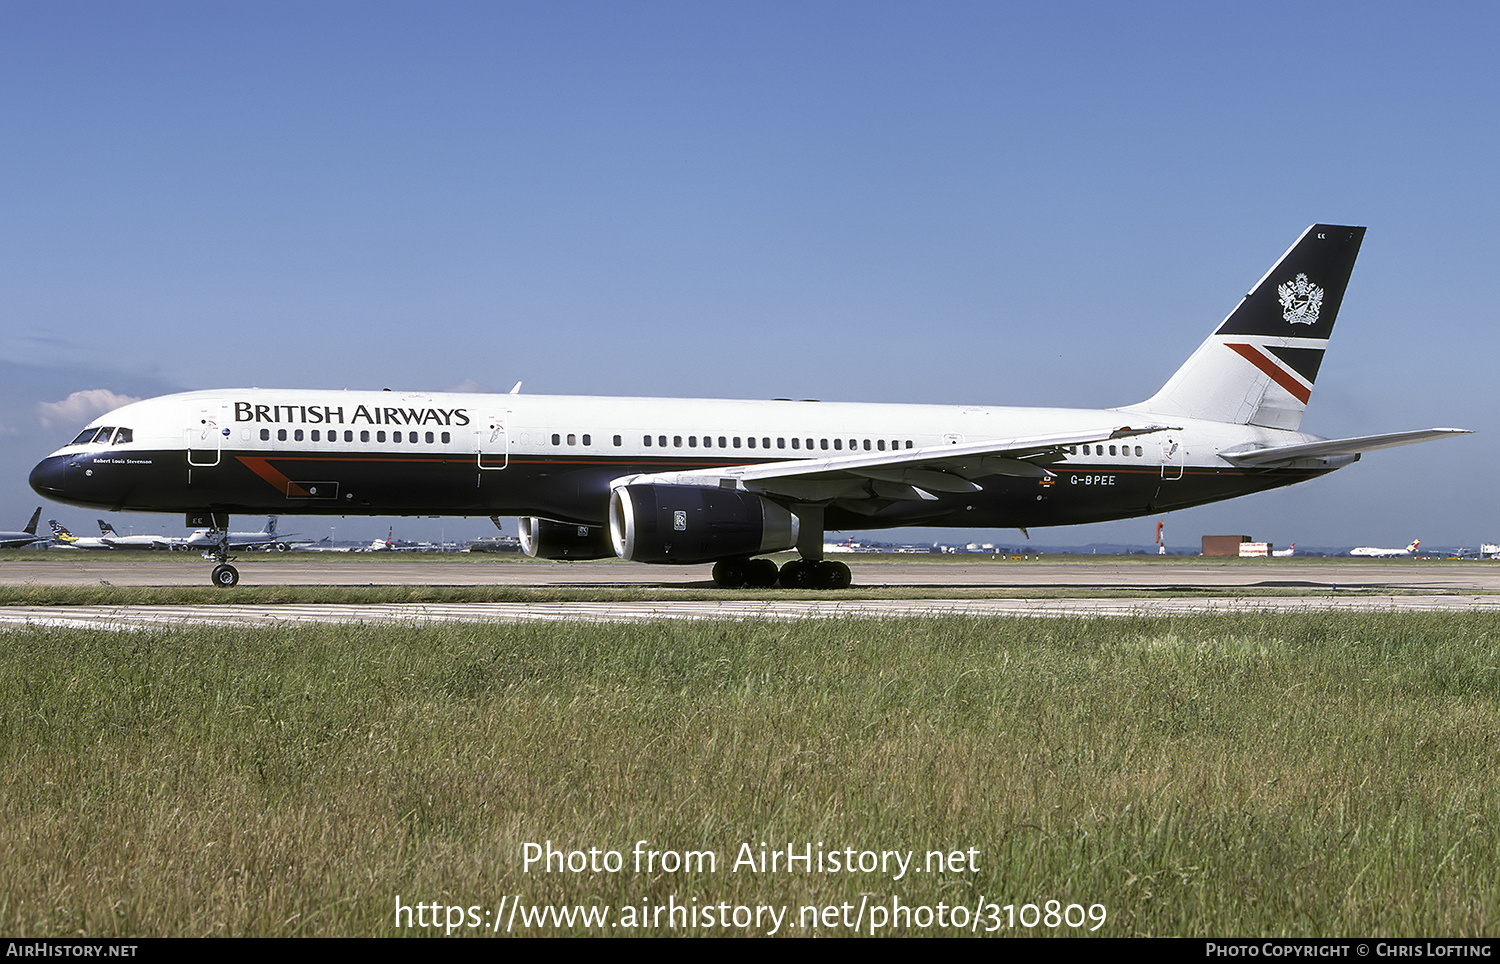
(1335, 447)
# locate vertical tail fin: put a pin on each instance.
(31, 526)
(1258, 367)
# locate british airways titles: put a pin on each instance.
(362, 414)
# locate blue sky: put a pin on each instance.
(987, 203)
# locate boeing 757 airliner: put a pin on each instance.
(684, 481)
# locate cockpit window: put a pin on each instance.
(102, 436)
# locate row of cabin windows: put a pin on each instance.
(724, 442)
(737, 441)
(660, 441)
(315, 435)
(1099, 450)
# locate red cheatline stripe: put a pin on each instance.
(1277, 374)
(278, 481)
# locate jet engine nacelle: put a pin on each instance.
(688, 524)
(545, 539)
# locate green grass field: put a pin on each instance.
(1228, 775)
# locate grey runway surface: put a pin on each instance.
(1357, 586)
(80, 568)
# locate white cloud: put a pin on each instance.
(80, 407)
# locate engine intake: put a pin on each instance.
(688, 524)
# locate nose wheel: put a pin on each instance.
(225, 576)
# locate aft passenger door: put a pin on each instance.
(1171, 458)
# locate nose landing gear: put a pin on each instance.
(224, 575)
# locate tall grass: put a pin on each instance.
(1247, 774)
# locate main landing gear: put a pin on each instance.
(797, 574)
(811, 571)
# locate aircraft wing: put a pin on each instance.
(1256, 458)
(901, 474)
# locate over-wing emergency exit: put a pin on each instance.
(685, 481)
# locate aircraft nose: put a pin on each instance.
(49, 478)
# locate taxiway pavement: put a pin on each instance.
(1342, 586)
